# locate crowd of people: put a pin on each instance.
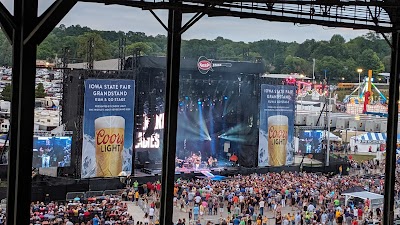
(273, 198)
(101, 211)
(286, 198)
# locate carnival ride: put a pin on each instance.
(363, 94)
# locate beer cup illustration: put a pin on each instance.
(277, 140)
(109, 139)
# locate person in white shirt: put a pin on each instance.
(241, 198)
(310, 208)
(151, 213)
(324, 218)
(297, 219)
(285, 221)
(355, 212)
(261, 204)
(197, 199)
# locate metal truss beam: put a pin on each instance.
(48, 20)
(171, 115)
(159, 20)
(22, 115)
(6, 21)
(192, 21)
(324, 15)
(290, 19)
(391, 141)
(379, 3)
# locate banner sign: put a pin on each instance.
(276, 132)
(108, 128)
(204, 65)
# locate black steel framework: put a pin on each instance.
(25, 30)
(121, 52)
(90, 53)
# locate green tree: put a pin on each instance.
(101, 46)
(143, 47)
(332, 66)
(349, 70)
(294, 64)
(6, 93)
(226, 51)
(39, 91)
(305, 49)
(5, 49)
(369, 60)
(387, 61)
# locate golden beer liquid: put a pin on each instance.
(109, 163)
(277, 146)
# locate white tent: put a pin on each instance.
(331, 136)
(376, 199)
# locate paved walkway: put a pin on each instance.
(138, 214)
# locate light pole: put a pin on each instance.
(313, 71)
(359, 81)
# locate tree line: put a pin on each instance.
(337, 58)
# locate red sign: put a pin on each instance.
(204, 65)
(104, 138)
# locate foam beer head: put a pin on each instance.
(109, 139)
(277, 139)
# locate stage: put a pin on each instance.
(58, 187)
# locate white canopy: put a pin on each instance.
(332, 136)
(376, 199)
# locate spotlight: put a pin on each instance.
(199, 102)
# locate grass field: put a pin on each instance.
(360, 157)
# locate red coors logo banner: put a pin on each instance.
(204, 65)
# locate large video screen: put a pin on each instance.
(310, 141)
(51, 152)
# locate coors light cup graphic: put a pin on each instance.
(277, 140)
(109, 139)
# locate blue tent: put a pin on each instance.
(378, 137)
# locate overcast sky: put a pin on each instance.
(111, 17)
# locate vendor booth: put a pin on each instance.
(369, 142)
(376, 199)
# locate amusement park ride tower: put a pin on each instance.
(364, 93)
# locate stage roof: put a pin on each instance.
(187, 64)
(108, 64)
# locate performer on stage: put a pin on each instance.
(210, 162)
(196, 160)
